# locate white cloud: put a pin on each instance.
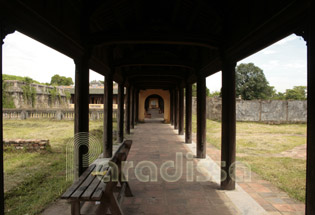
(268, 51)
(286, 40)
(213, 82)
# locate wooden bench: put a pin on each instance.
(95, 187)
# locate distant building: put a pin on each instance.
(96, 93)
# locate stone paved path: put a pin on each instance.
(272, 199)
(157, 143)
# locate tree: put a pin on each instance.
(251, 83)
(61, 80)
(297, 93)
(194, 91)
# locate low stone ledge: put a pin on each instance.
(26, 144)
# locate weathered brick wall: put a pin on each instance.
(26, 144)
(43, 97)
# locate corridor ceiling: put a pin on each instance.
(160, 43)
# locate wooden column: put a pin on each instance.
(137, 106)
(132, 108)
(176, 109)
(310, 162)
(181, 112)
(108, 116)
(120, 113)
(127, 122)
(228, 149)
(2, 35)
(81, 106)
(171, 107)
(201, 118)
(188, 127)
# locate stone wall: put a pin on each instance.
(57, 114)
(44, 99)
(267, 111)
(28, 144)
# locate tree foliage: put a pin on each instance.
(26, 79)
(194, 91)
(251, 83)
(61, 80)
(296, 93)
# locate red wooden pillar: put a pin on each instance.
(127, 122)
(310, 162)
(188, 127)
(120, 113)
(228, 142)
(81, 106)
(108, 116)
(201, 118)
(181, 112)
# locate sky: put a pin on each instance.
(283, 63)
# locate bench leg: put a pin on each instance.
(110, 202)
(114, 206)
(75, 207)
(128, 192)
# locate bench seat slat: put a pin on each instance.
(97, 195)
(95, 183)
(86, 184)
(77, 184)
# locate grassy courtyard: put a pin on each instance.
(35, 179)
(260, 145)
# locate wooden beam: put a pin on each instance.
(310, 161)
(171, 38)
(155, 61)
(181, 112)
(188, 127)
(120, 113)
(127, 121)
(201, 117)
(108, 116)
(81, 106)
(228, 142)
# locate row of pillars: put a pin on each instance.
(228, 114)
(228, 148)
(124, 123)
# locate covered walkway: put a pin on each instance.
(157, 142)
(165, 47)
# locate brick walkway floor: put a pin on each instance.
(272, 199)
(157, 143)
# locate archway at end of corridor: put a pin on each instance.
(154, 107)
(154, 103)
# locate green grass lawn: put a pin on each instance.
(35, 179)
(256, 143)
